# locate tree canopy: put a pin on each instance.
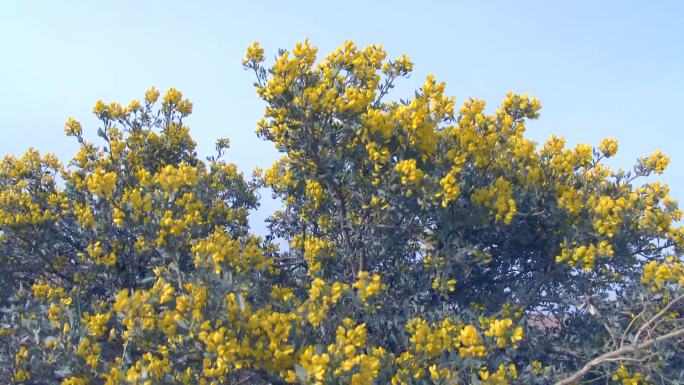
(417, 243)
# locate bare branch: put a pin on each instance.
(617, 353)
(656, 317)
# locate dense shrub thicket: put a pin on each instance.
(417, 243)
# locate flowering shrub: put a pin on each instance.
(417, 243)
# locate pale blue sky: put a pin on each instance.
(600, 68)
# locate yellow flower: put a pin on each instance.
(254, 54)
(102, 183)
(100, 108)
(609, 147)
(434, 372)
(133, 106)
(314, 191)
(657, 162)
(96, 323)
(498, 329)
(316, 365)
(72, 127)
(410, 175)
(118, 217)
(469, 336)
(151, 95)
(171, 99)
(368, 286)
(75, 381)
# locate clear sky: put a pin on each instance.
(600, 68)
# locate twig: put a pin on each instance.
(617, 353)
(655, 318)
(629, 326)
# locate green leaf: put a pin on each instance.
(301, 372)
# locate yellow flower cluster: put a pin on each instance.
(173, 100)
(89, 352)
(107, 112)
(608, 146)
(99, 256)
(20, 203)
(571, 199)
(400, 66)
(653, 217)
(501, 376)
(368, 286)
(138, 311)
(321, 298)
(96, 323)
(151, 95)
(314, 191)
(138, 203)
(75, 381)
(171, 178)
(450, 187)
(21, 373)
(315, 251)
(627, 378)
(379, 157)
(445, 286)
(411, 175)
(430, 342)
(583, 255)
(498, 198)
(316, 365)
(329, 92)
(657, 162)
(472, 344)
(348, 348)
(46, 292)
(282, 294)
(521, 106)
(421, 117)
(278, 176)
(344, 360)
(566, 161)
(378, 123)
(102, 183)
(537, 368)
(503, 331)
(72, 127)
(656, 275)
(245, 339)
(220, 251)
(254, 53)
(608, 214)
